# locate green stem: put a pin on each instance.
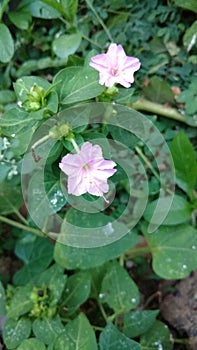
(152, 107)
(21, 217)
(145, 159)
(75, 145)
(36, 144)
(22, 227)
(97, 328)
(3, 7)
(91, 41)
(103, 312)
(100, 20)
(137, 251)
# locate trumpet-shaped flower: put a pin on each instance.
(115, 67)
(87, 171)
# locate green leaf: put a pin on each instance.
(118, 289)
(6, 44)
(55, 279)
(190, 36)
(70, 8)
(2, 300)
(77, 291)
(180, 211)
(66, 45)
(187, 4)
(47, 330)
(49, 197)
(15, 331)
(77, 84)
(36, 255)
(112, 339)
(184, 161)
(10, 198)
(84, 258)
(138, 322)
(39, 9)
(17, 121)
(21, 19)
(21, 302)
(159, 91)
(7, 96)
(78, 335)
(31, 344)
(157, 337)
(173, 250)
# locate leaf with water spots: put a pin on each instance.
(15, 331)
(47, 330)
(78, 335)
(21, 302)
(31, 344)
(112, 339)
(156, 338)
(174, 250)
(77, 291)
(118, 289)
(138, 322)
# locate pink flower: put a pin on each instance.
(87, 171)
(115, 67)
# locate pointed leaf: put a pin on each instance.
(15, 331)
(112, 339)
(185, 162)
(174, 250)
(118, 289)
(156, 338)
(6, 44)
(78, 335)
(76, 84)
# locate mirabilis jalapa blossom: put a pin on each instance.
(115, 67)
(87, 171)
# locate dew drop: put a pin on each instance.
(101, 295)
(184, 267)
(133, 300)
(194, 247)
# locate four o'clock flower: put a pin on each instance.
(115, 67)
(87, 171)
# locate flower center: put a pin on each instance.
(115, 72)
(86, 166)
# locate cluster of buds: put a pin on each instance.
(42, 307)
(36, 98)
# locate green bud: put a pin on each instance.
(36, 93)
(59, 131)
(33, 106)
(35, 98)
(111, 91)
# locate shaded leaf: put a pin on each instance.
(156, 338)
(138, 322)
(180, 211)
(112, 339)
(118, 289)
(185, 162)
(79, 335)
(15, 331)
(66, 45)
(6, 44)
(47, 330)
(173, 250)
